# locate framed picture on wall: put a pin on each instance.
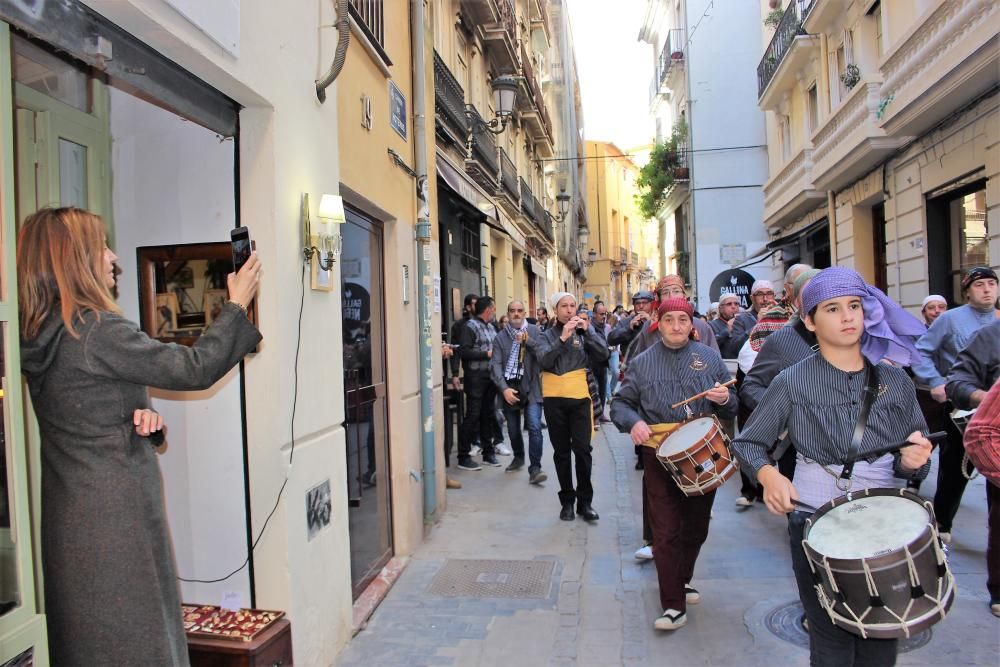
(212, 302)
(165, 318)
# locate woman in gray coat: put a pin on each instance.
(111, 593)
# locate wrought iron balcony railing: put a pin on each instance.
(508, 176)
(483, 148)
(788, 29)
(449, 98)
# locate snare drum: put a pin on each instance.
(697, 456)
(877, 563)
(961, 418)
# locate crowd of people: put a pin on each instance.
(828, 371)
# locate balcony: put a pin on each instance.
(482, 162)
(851, 142)
(508, 192)
(950, 56)
(789, 51)
(540, 18)
(534, 114)
(496, 21)
(533, 211)
(672, 56)
(790, 193)
(450, 122)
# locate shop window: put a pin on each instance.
(470, 245)
(958, 230)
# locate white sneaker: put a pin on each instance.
(475, 450)
(645, 553)
(945, 537)
(671, 620)
(995, 608)
(503, 450)
(691, 595)
(743, 501)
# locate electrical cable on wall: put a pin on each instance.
(291, 452)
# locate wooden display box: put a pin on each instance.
(271, 648)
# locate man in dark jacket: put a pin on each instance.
(564, 351)
(468, 308)
(514, 370)
(630, 327)
(976, 368)
(475, 349)
(599, 322)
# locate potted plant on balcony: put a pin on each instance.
(658, 176)
(773, 18)
(851, 76)
(677, 54)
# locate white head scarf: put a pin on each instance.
(557, 297)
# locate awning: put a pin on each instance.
(465, 188)
(537, 267)
(794, 237)
(516, 236)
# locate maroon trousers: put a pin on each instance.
(993, 541)
(680, 527)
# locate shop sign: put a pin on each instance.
(733, 281)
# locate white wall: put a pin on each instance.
(172, 183)
(724, 47)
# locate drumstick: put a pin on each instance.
(702, 394)
(807, 507)
(892, 449)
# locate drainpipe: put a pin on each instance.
(340, 55)
(425, 305)
(831, 214)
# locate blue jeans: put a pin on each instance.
(533, 422)
(613, 368)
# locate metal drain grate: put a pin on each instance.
(785, 622)
(493, 579)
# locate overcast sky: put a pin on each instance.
(615, 70)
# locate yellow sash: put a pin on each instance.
(659, 433)
(567, 385)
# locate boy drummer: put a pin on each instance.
(657, 378)
(819, 401)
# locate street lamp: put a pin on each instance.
(504, 89)
(562, 199)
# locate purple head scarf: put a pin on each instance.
(890, 332)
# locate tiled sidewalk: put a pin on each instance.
(601, 605)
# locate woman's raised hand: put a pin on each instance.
(243, 285)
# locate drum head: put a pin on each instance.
(868, 526)
(686, 436)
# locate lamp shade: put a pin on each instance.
(504, 92)
(583, 234)
(331, 209)
(592, 255)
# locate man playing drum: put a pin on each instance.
(819, 401)
(659, 377)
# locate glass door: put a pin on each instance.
(366, 419)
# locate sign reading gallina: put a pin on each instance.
(733, 281)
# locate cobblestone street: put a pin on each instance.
(601, 604)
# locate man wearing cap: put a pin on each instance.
(630, 327)
(732, 328)
(564, 351)
(932, 306)
(672, 287)
(939, 348)
(819, 401)
(668, 373)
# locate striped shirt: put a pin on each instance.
(819, 405)
(661, 376)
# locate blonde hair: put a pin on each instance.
(60, 264)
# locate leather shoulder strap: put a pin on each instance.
(868, 397)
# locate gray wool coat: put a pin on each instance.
(111, 592)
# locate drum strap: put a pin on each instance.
(868, 397)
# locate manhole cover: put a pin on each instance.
(785, 622)
(493, 579)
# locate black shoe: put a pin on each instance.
(536, 476)
(639, 465)
(515, 464)
(468, 464)
(587, 512)
(567, 512)
(490, 460)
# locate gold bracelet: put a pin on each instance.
(240, 306)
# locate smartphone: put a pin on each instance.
(240, 238)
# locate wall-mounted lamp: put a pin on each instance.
(563, 200)
(591, 257)
(328, 237)
(504, 89)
